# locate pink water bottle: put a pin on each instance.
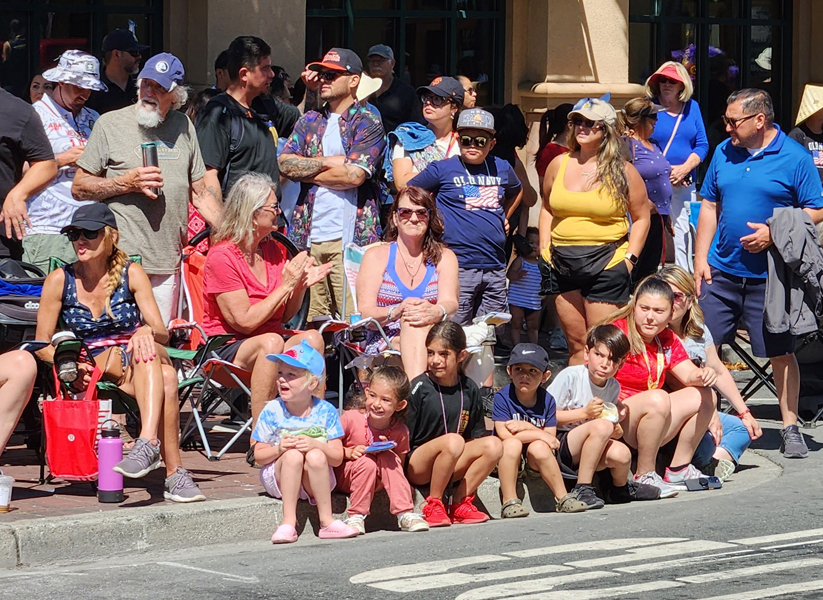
(109, 453)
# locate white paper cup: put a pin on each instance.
(6, 483)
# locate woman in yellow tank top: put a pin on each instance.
(587, 248)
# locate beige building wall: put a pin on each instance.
(198, 30)
(807, 47)
(562, 50)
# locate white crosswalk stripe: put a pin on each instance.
(653, 552)
(758, 570)
(426, 568)
(451, 579)
(780, 590)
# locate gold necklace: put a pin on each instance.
(408, 265)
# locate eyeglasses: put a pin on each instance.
(406, 213)
(680, 297)
(273, 206)
(329, 76)
(468, 141)
(435, 101)
(89, 234)
(470, 90)
(135, 53)
(669, 80)
(580, 122)
(735, 123)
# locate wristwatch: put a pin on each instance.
(631, 258)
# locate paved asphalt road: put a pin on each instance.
(764, 541)
(759, 537)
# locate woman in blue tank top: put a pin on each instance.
(107, 300)
(411, 283)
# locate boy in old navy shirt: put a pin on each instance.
(476, 194)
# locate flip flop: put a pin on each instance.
(285, 534)
(337, 529)
(513, 509)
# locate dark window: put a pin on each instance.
(725, 44)
(429, 37)
(38, 31)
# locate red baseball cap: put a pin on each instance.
(669, 71)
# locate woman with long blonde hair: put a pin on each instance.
(729, 436)
(587, 250)
(101, 298)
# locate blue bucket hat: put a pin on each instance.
(302, 356)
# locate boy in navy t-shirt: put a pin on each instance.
(476, 194)
(524, 418)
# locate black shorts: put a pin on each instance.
(612, 286)
(228, 351)
(564, 457)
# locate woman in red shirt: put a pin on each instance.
(656, 417)
(251, 289)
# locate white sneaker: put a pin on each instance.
(677, 479)
(412, 522)
(358, 522)
(652, 478)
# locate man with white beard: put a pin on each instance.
(152, 225)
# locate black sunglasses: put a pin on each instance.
(435, 101)
(135, 53)
(467, 141)
(329, 76)
(89, 234)
(664, 79)
(581, 122)
(734, 123)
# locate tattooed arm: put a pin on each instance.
(344, 177)
(205, 199)
(300, 168)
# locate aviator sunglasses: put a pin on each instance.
(406, 213)
(89, 234)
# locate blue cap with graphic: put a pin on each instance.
(476, 118)
(164, 68)
(302, 356)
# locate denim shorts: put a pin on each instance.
(730, 300)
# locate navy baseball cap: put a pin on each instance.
(92, 216)
(164, 68)
(124, 40)
(445, 87)
(529, 354)
(339, 59)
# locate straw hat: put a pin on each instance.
(367, 86)
(811, 103)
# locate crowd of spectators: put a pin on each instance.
(361, 157)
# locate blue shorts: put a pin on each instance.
(482, 291)
(731, 299)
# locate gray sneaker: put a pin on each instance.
(793, 446)
(142, 459)
(181, 488)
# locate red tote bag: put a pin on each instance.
(71, 431)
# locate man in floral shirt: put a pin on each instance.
(334, 153)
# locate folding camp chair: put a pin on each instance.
(209, 380)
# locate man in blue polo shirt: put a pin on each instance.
(757, 170)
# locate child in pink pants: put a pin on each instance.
(366, 467)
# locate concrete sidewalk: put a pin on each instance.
(63, 523)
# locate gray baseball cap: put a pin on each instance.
(381, 50)
(77, 68)
(476, 118)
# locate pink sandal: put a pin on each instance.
(285, 534)
(337, 529)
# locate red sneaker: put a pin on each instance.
(435, 513)
(467, 513)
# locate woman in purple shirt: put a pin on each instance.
(639, 117)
